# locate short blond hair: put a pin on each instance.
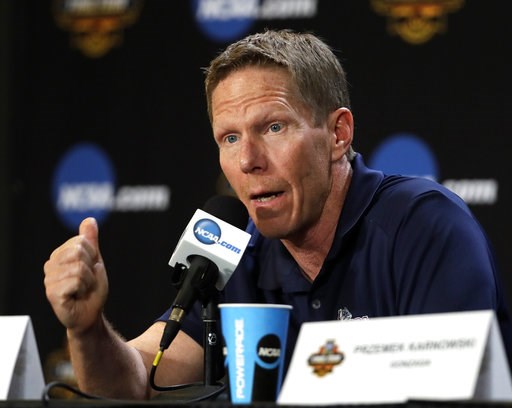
(316, 72)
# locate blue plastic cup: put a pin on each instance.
(255, 340)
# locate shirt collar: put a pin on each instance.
(363, 187)
(277, 269)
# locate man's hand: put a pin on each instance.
(76, 280)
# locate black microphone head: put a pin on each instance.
(229, 209)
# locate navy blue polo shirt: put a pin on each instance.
(403, 246)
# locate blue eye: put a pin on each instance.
(231, 139)
(275, 127)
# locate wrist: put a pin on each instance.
(96, 329)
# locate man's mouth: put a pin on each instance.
(263, 198)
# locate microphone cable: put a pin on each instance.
(45, 396)
(219, 384)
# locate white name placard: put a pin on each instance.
(446, 356)
(21, 374)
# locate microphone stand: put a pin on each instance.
(209, 298)
(211, 338)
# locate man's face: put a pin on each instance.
(276, 161)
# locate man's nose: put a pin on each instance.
(252, 157)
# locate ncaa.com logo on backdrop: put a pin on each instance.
(84, 184)
(408, 154)
(227, 20)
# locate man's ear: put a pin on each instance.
(342, 122)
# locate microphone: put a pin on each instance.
(208, 252)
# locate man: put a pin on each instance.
(330, 237)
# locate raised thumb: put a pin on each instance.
(89, 229)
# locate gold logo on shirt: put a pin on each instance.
(416, 21)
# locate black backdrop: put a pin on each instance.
(143, 103)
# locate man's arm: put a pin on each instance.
(108, 366)
(105, 365)
(103, 362)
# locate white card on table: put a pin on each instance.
(21, 374)
(445, 356)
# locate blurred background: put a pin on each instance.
(102, 112)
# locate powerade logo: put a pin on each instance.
(208, 232)
(227, 20)
(409, 155)
(84, 184)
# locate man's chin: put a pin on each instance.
(268, 230)
(272, 229)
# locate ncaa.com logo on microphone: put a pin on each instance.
(208, 232)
